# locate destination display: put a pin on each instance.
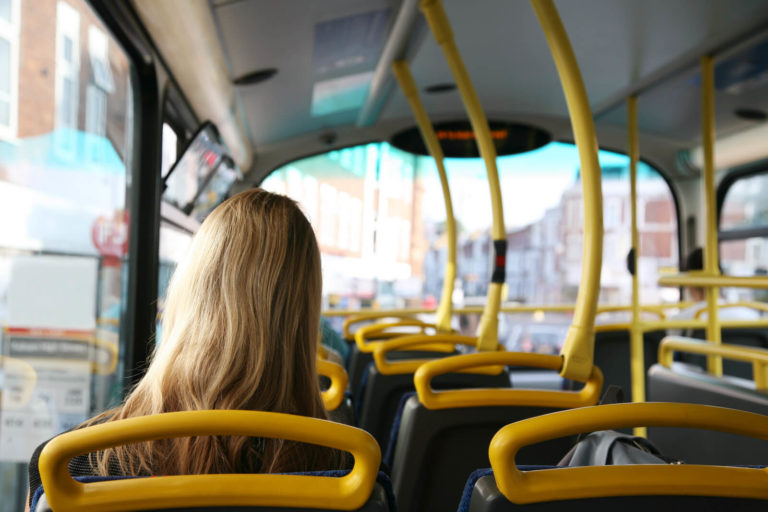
(458, 139)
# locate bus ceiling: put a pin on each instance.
(321, 76)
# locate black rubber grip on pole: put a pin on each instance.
(499, 261)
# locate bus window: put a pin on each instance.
(379, 217)
(173, 244)
(744, 234)
(66, 127)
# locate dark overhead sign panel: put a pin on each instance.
(458, 140)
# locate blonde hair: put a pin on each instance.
(240, 331)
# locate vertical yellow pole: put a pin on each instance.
(578, 351)
(636, 348)
(407, 84)
(441, 30)
(711, 267)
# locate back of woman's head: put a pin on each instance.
(240, 331)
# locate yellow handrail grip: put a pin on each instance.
(417, 342)
(703, 279)
(372, 315)
(509, 308)
(758, 306)
(334, 395)
(523, 487)
(488, 336)
(578, 349)
(588, 395)
(350, 492)
(757, 356)
(711, 266)
(379, 330)
(322, 352)
(411, 93)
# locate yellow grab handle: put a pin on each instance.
(488, 335)
(601, 481)
(704, 280)
(334, 395)
(380, 331)
(757, 306)
(757, 356)
(445, 342)
(373, 315)
(350, 492)
(578, 350)
(411, 93)
(588, 395)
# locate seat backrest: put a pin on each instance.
(642, 487)
(612, 356)
(690, 384)
(481, 494)
(358, 488)
(436, 450)
(748, 337)
(383, 394)
(442, 436)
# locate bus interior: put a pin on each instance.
(621, 256)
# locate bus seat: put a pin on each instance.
(382, 496)
(686, 383)
(360, 488)
(383, 393)
(442, 436)
(612, 356)
(747, 336)
(511, 487)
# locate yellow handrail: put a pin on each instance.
(704, 279)
(757, 356)
(372, 315)
(407, 84)
(711, 266)
(334, 395)
(509, 308)
(602, 481)
(438, 22)
(758, 306)
(431, 399)
(416, 341)
(578, 350)
(381, 330)
(636, 346)
(350, 492)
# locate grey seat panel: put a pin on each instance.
(383, 393)
(689, 384)
(437, 450)
(612, 356)
(486, 497)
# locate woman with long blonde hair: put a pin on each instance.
(240, 331)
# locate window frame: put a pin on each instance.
(730, 179)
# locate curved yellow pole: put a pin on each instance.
(757, 356)
(714, 364)
(441, 30)
(578, 350)
(636, 355)
(405, 79)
